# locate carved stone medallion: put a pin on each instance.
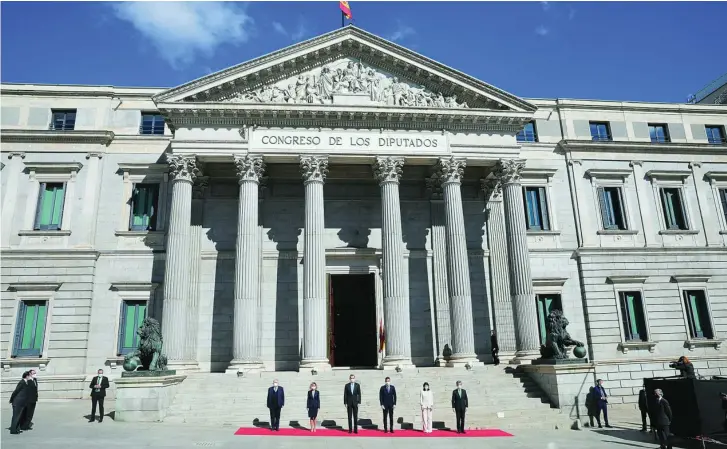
(388, 169)
(249, 168)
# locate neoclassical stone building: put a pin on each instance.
(299, 209)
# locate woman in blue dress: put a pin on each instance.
(313, 404)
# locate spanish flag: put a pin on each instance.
(345, 9)
(382, 336)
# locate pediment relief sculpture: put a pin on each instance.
(346, 78)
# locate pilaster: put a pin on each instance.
(710, 222)
(646, 210)
(195, 258)
(89, 213)
(387, 171)
(439, 270)
(10, 195)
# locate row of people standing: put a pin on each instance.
(24, 399)
(352, 400)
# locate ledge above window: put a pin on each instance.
(626, 279)
(716, 176)
(694, 343)
(625, 346)
(25, 362)
(617, 232)
(596, 173)
(535, 232)
(680, 175)
(679, 232)
(34, 287)
(691, 278)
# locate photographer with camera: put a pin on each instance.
(685, 367)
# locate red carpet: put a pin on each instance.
(291, 432)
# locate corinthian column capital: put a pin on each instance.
(314, 168)
(388, 169)
(249, 168)
(508, 171)
(450, 169)
(183, 168)
(492, 189)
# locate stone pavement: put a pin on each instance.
(62, 425)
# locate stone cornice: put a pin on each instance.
(53, 167)
(597, 173)
(681, 175)
(348, 41)
(134, 286)
(100, 137)
(625, 106)
(182, 115)
(642, 147)
(34, 287)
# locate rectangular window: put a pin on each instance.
(63, 120)
(600, 131)
(632, 316)
(30, 329)
(695, 303)
(673, 204)
(132, 315)
(49, 212)
(144, 207)
(612, 208)
(658, 133)
(536, 208)
(152, 124)
(723, 199)
(545, 305)
(527, 134)
(715, 134)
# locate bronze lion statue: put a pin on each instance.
(557, 337)
(149, 353)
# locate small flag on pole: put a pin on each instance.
(382, 336)
(345, 9)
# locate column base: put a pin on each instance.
(319, 365)
(525, 357)
(462, 361)
(183, 366)
(392, 363)
(240, 368)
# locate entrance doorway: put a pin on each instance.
(352, 340)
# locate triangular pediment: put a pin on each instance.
(348, 66)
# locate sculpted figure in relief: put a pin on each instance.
(354, 78)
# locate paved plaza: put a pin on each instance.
(62, 425)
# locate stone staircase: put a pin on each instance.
(497, 399)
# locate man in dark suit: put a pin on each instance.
(643, 408)
(276, 401)
(352, 399)
(662, 419)
(495, 348)
(27, 421)
(459, 405)
(387, 399)
(601, 403)
(19, 399)
(98, 387)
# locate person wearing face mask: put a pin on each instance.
(98, 387)
(352, 399)
(387, 400)
(426, 401)
(459, 405)
(276, 401)
(19, 399)
(313, 404)
(27, 422)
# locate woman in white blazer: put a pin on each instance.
(426, 401)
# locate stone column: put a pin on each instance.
(499, 271)
(195, 255)
(387, 171)
(315, 327)
(247, 267)
(527, 340)
(10, 196)
(439, 270)
(449, 174)
(183, 170)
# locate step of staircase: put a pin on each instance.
(497, 398)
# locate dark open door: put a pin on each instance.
(331, 321)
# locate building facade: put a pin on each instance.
(301, 209)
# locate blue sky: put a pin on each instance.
(642, 51)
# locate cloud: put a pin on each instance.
(545, 5)
(542, 31)
(181, 31)
(297, 35)
(402, 31)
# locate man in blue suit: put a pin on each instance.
(276, 401)
(601, 403)
(387, 399)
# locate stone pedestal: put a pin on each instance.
(145, 399)
(563, 383)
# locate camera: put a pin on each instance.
(673, 365)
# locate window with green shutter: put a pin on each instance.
(144, 207)
(536, 209)
(49, 212)
(613, 216)
(132, 314)
(672, 204)
(633, 318)
(545, 305)
(30, 329)
(695, 303)
(723, 201)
